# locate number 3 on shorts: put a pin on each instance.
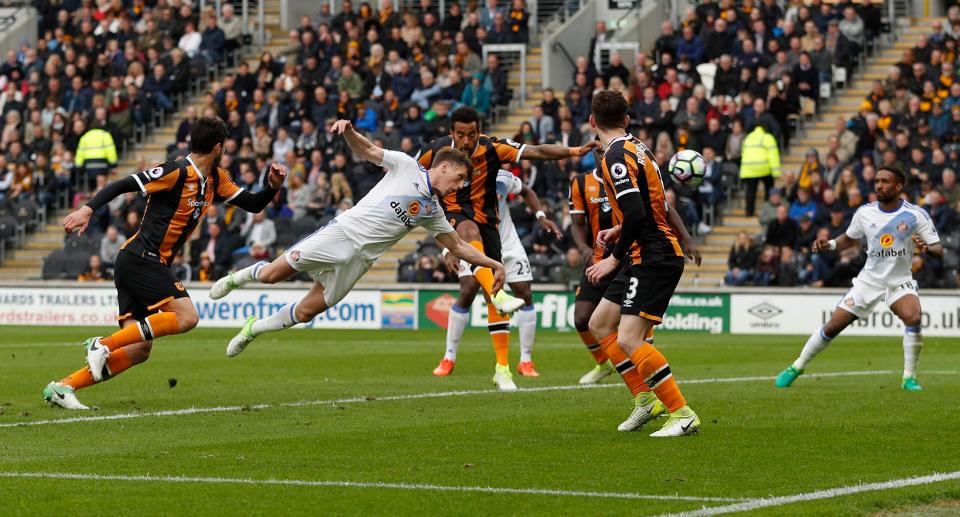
(632, 289)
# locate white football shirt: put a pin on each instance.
(399, 202)
(507, 184)
(890, 243)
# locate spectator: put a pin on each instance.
(782, 231)
(740, 261)
(212, 41)
(427, 271)
(767, 267)
(477, 96)
(217, 248)
(760, 162)
(543, 125)
(181, 269)
(110, 245)
(207, 271)
(570, 270)
(95, 272)
(232, 28)
(803, 206)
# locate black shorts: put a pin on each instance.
(645, 289)
(489, 235)
(143, 285)
(587, 292)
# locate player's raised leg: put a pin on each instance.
(842, 317)
(286, 317)
(504, 303)
(273, 272)
(907, 308)
(527, 325)
(646, 406)
(457, 321)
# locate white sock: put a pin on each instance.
(456, 323)
(249, 273)
(817, 342)
(527, 323)
(912, 343)
(282, 319)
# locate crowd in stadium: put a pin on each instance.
(72, 100)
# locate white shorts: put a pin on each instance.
(515, 263)
(330, 258)
(862, 298)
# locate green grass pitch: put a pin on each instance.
(757, 441)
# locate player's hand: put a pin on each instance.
(819, 245)
(78, 221)
(921, 247)
(585, 148)
(341, 126)
(550, 227)
(600, 270)
(608, 236)
(691, 251)
(452, 262)
(499, 276)
(277, 175)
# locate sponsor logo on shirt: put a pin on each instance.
(402, 214)
(886, 240)
(414, 208)
(889, 253)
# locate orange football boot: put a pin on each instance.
(444, 368)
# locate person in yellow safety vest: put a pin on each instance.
(96, 154)
(759, 161)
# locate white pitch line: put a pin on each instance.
(768, 502)
(360, 484)
(413, 396)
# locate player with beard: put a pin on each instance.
(151, 302)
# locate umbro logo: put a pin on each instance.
(191, 187)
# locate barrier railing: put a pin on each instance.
(510, 50)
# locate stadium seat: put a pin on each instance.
(54, 266)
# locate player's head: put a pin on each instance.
(451, 168)
(207, 135)
(609, 111)
(465, 129)
(889, 183)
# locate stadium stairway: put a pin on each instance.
(26, 262)
(385, 269)
(845, 103)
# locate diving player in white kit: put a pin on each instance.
(894, 229)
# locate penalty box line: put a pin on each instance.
(364, 485)
(413, 396)
(768, 502)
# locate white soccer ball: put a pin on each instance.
(687, 167)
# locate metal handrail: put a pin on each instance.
(563, 50)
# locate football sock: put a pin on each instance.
(817, 342)
(249, 274)
(118, 361)
(282, 319)
(154, 326)
(527, 323)
(656, 374)
(625, 367)
(593, 346)
(456, 323)
(912, 343)
(499, 327)
(484, 275)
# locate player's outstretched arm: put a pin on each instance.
(686, 240)
(459, 248)
(556, 151)
(935, 249)
(358, 143)
(79, 220)
(531, 200)
(840, 243)
(255, 203)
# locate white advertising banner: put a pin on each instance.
(97, 305)
(803, 313)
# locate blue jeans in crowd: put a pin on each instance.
(737, 279)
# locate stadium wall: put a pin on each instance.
(423, 306)
(17, 24)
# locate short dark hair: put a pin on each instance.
(896, 171)
(465, 115)
(609, 109)
(453, 156)
(206, 133)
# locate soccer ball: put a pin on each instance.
(687, 167)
